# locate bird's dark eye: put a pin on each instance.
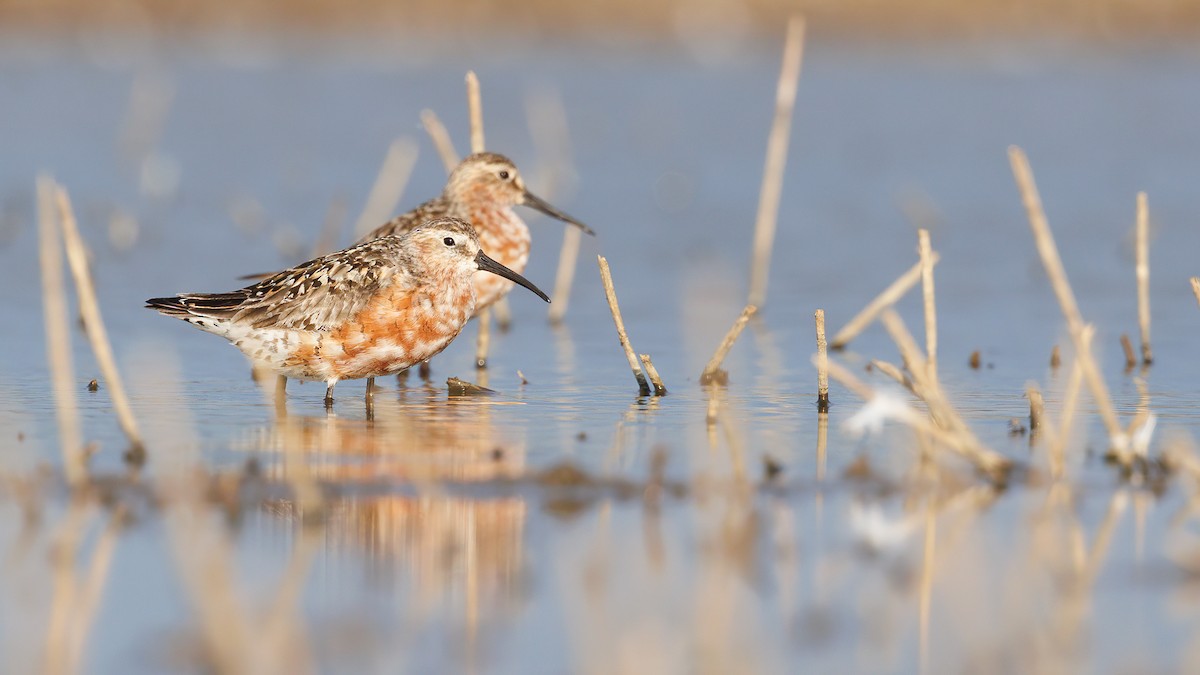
(449, 241)
(503, 175)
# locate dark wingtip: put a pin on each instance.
(172, 305)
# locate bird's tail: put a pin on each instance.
(211, 305)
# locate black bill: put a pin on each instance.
(535, 202)
(488, 265)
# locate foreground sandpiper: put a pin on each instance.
(370, 310)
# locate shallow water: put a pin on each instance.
(442, 551)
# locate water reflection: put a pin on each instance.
(456, 557)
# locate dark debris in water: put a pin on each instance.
(459, 387)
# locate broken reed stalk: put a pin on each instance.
(926, 252)
(58, 336)
(887, 298)
(1127, 347)
(1048, 251)
(993, 465)
(1037, 407)
(941, 411)
(892, 371)
(564, 278)
(441, 139)
(1143, 275)
(475, 108)
(388, 187)
(659, 388)
(712, 371)
(475, 111)
(822, 363)
(777, 147)
(93, 323)
(1196, 288)
(1058, 448)
(611, 294)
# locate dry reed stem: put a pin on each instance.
(1127, 347)
(822, 363)
(931, 342)
(1037, 407)
(648, 365)
(441, 139)
(712, 371)
(892, 371)
(388, 187)
(1143, 275)
(93, 322)
(943, 414)
(992, 464)
(1196, 288)
(1070, 406)
(564, 278)
(475, 108)
(777, 147)
(1048, 251)
(611, 294)
(887, 298)
(58, 337)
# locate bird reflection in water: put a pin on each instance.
(446, 551)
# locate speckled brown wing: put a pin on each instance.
(315, 296)
(438, 207)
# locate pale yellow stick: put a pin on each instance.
(441, 139)
(887, 298)
(475, 111)
(475, 108)
(1069, 407)
(611, 294)
(564, 278)
(659, 388)
(89, 308)
(58, 336)
(1196, 288)
(931, 342)
(777, 147)
(1048, 251)
(712, 370)
(389, 186)
(822, 363)
(1143, 275)
(1037, 407)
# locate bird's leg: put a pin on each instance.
(402, 378)
(423, 370)
(370, 388)
(280, 387)
(484, 341)
(329, 395)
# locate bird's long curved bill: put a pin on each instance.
(535, 202)
(488, 265)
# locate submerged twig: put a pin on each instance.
(388, 187)
(1048, 251)
(58, 337)
(822, 363)
(712, 371)
(611, 294)
(441, 139)
(93, 323)
(887, 298)
(1143, 275)
(777, 147)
